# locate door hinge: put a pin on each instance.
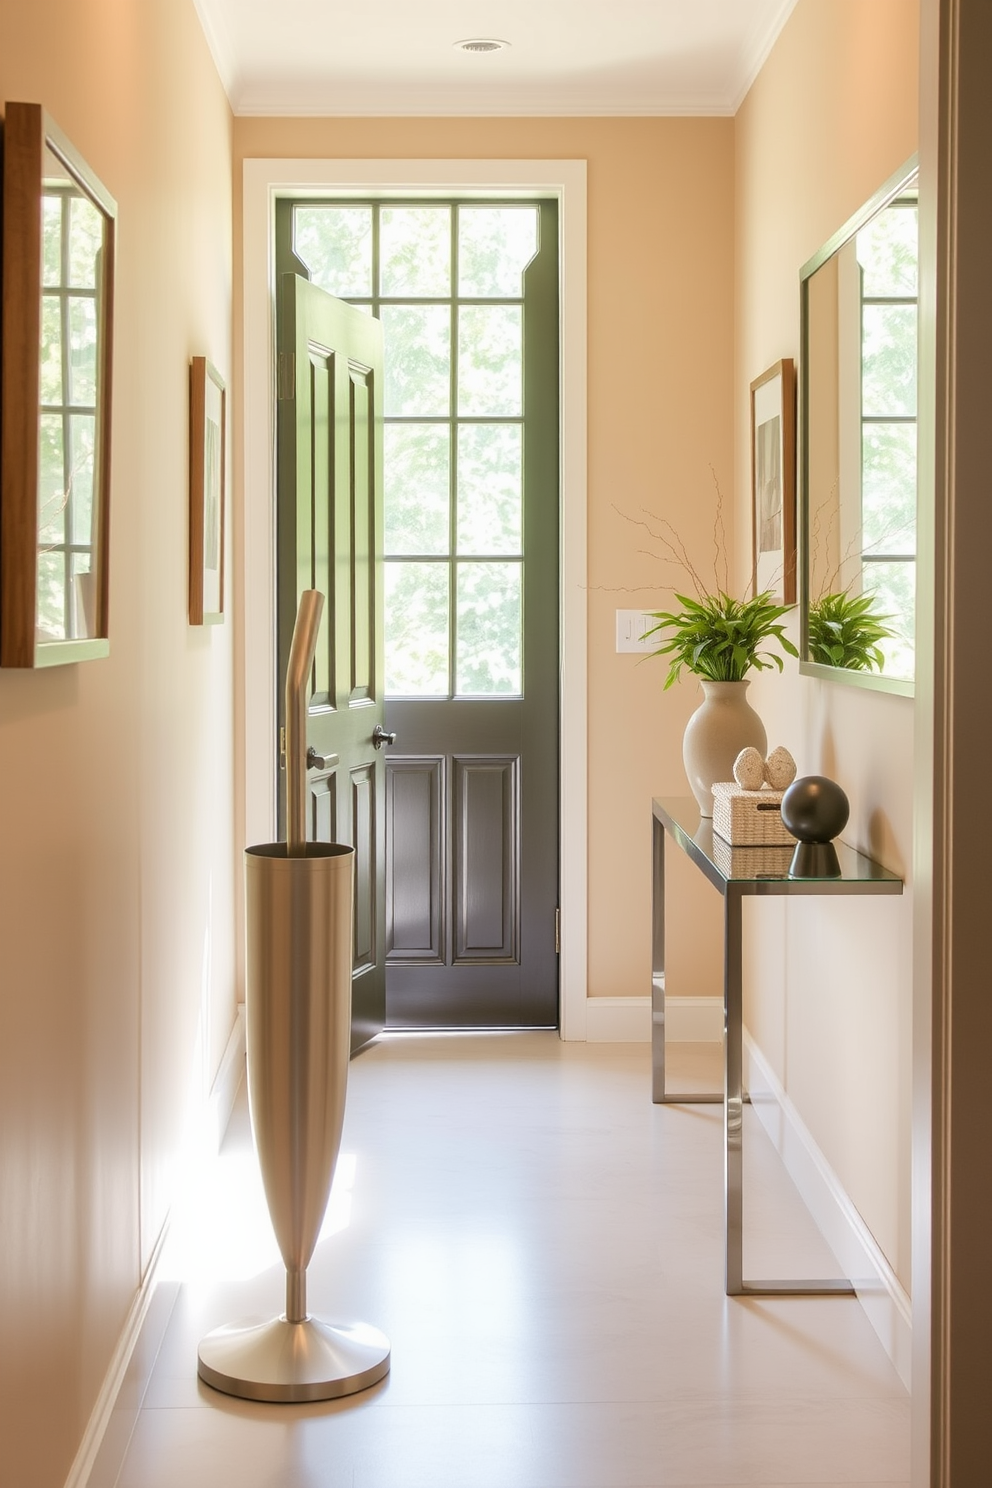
(286, 376)
(557, 932)
(282, 749)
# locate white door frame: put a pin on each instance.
(264, 180)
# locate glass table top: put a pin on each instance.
(764, 870)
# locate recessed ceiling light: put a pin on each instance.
(481, 44)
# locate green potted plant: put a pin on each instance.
(720, 639)
(844, 631)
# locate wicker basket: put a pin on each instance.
(749, 818)
(752, 862)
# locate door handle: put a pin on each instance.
(317, 761)
(380, 737)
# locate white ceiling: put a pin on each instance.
(378, 57)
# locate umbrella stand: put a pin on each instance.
(299, 918)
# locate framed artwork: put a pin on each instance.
(773, 481)
(207, 426)
(59, 225)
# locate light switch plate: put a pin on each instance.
(631, 625)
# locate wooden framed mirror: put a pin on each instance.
(58, 278)
(857, 445)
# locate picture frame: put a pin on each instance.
(773, 482)
(59, 234)
(207, 492)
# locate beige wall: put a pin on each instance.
(115, 798)
(832, 114)
(660, 304)
(116, 960)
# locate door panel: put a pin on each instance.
(323, 808)
(415, 834)
(486, 853)
(329, 523)
(317, 515)
(363, 576)
(363, 835)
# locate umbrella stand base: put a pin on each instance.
(283, 1361)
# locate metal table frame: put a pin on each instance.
(732, 872)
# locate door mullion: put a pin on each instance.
(453, 465)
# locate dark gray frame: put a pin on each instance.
(894, 187)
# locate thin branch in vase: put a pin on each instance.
(719, 538)
(630, 588)
(816, 533)
(676, 552)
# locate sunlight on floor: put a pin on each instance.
(544, 1249)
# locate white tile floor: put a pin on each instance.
(544, 1249)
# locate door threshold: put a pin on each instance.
(401, 1031)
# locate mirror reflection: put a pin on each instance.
(72, 240)
(858, 444)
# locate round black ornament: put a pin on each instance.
(815, 810)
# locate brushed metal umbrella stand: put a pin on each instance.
(299, 916)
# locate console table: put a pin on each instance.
(736, 872)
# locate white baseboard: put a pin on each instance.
(83, 1473)
(627, 1020)
(879, 1290)
(618, 1020)
(693, 1020)
(98, 1461)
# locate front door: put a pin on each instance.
(467, 294)
(329, 537)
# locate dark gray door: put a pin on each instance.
(467, 294)
(472, 785)
(329, 432)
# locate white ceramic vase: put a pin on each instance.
(722, 725)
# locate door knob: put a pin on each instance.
(317, 761)
(380, 737)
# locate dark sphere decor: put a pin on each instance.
(815, 809)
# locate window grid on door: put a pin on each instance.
(453, 567)
(888, 258)
(71, 238)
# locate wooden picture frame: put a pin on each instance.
(773, 482)
(207, 492)
(59, 229)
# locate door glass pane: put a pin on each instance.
(894, 587)
(888, 492)
(85, 242)
(889, 360)
(335, 243)
(495, 245)
(490, 360)
(51, 480)
(51, 351)
(488, 626)
(51, 240)
(415, 251)
(84, 596)
(51, 595)
(82, 351)
(887, 250)
(416, 601)
(417, 350)
(416, 464)
(82, 432)
(489, 488)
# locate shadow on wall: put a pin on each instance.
(882, 843)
